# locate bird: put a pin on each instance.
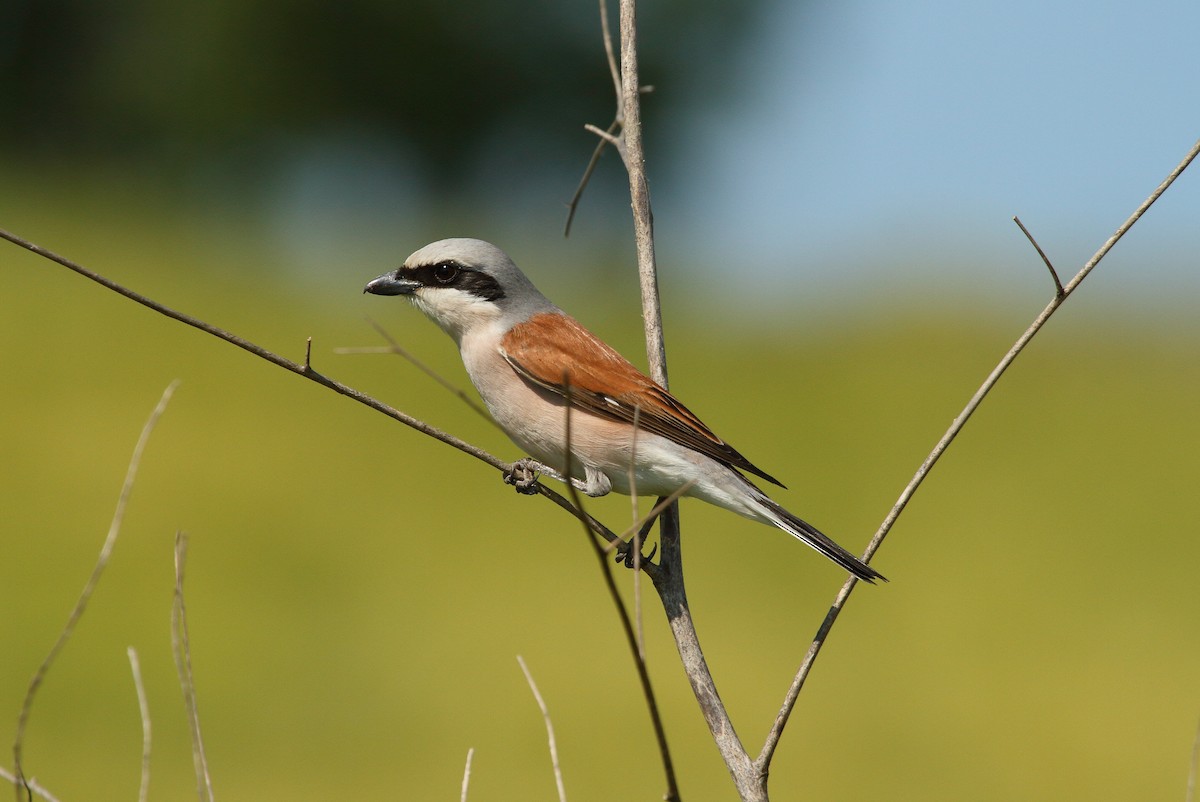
(533, 364)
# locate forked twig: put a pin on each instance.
(110, 540)
(541, 703)
(956, 426)
(30, 784)
(606, 137)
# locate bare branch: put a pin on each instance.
(541, 703)
(668, 580)
(639, 194)
(300, 370)
(144, 710)
(1058, 287)
(956, 426)
(110, 540)
(181, 645)
(304, 371)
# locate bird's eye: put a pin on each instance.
(445, 272)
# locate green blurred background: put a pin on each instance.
(358, 593)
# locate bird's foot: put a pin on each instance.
(626, 553)
(524, 476)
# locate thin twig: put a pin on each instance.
(275, 359)
(610, 53)
(660, 733)
(110, 540)
(1058, 287)
(637, 539)
(458, 392)
(641, 526)
(607, 136)
(30, 784)
(541, 703)
(764, 758)
(467, 775)
(144, 711)
(597, 152)
(611, 135)
(181, 645)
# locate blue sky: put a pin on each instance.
(870, 137)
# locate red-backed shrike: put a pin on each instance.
(518, 348)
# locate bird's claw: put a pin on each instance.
(625, 553)
(523, 476)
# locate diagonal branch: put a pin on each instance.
(305, 370)
(764, 758)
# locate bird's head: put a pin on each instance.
(462, 284)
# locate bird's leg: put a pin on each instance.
(526, 471)
(596, 482)
(625, 550)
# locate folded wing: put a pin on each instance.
(552, 350)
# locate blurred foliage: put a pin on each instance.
(357, 593)
(167, 88)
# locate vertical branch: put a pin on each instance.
(669, 579)
(639, 195)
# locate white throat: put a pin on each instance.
(455, 312)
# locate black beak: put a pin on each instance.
(392, 284)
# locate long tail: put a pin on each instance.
(809, 534)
